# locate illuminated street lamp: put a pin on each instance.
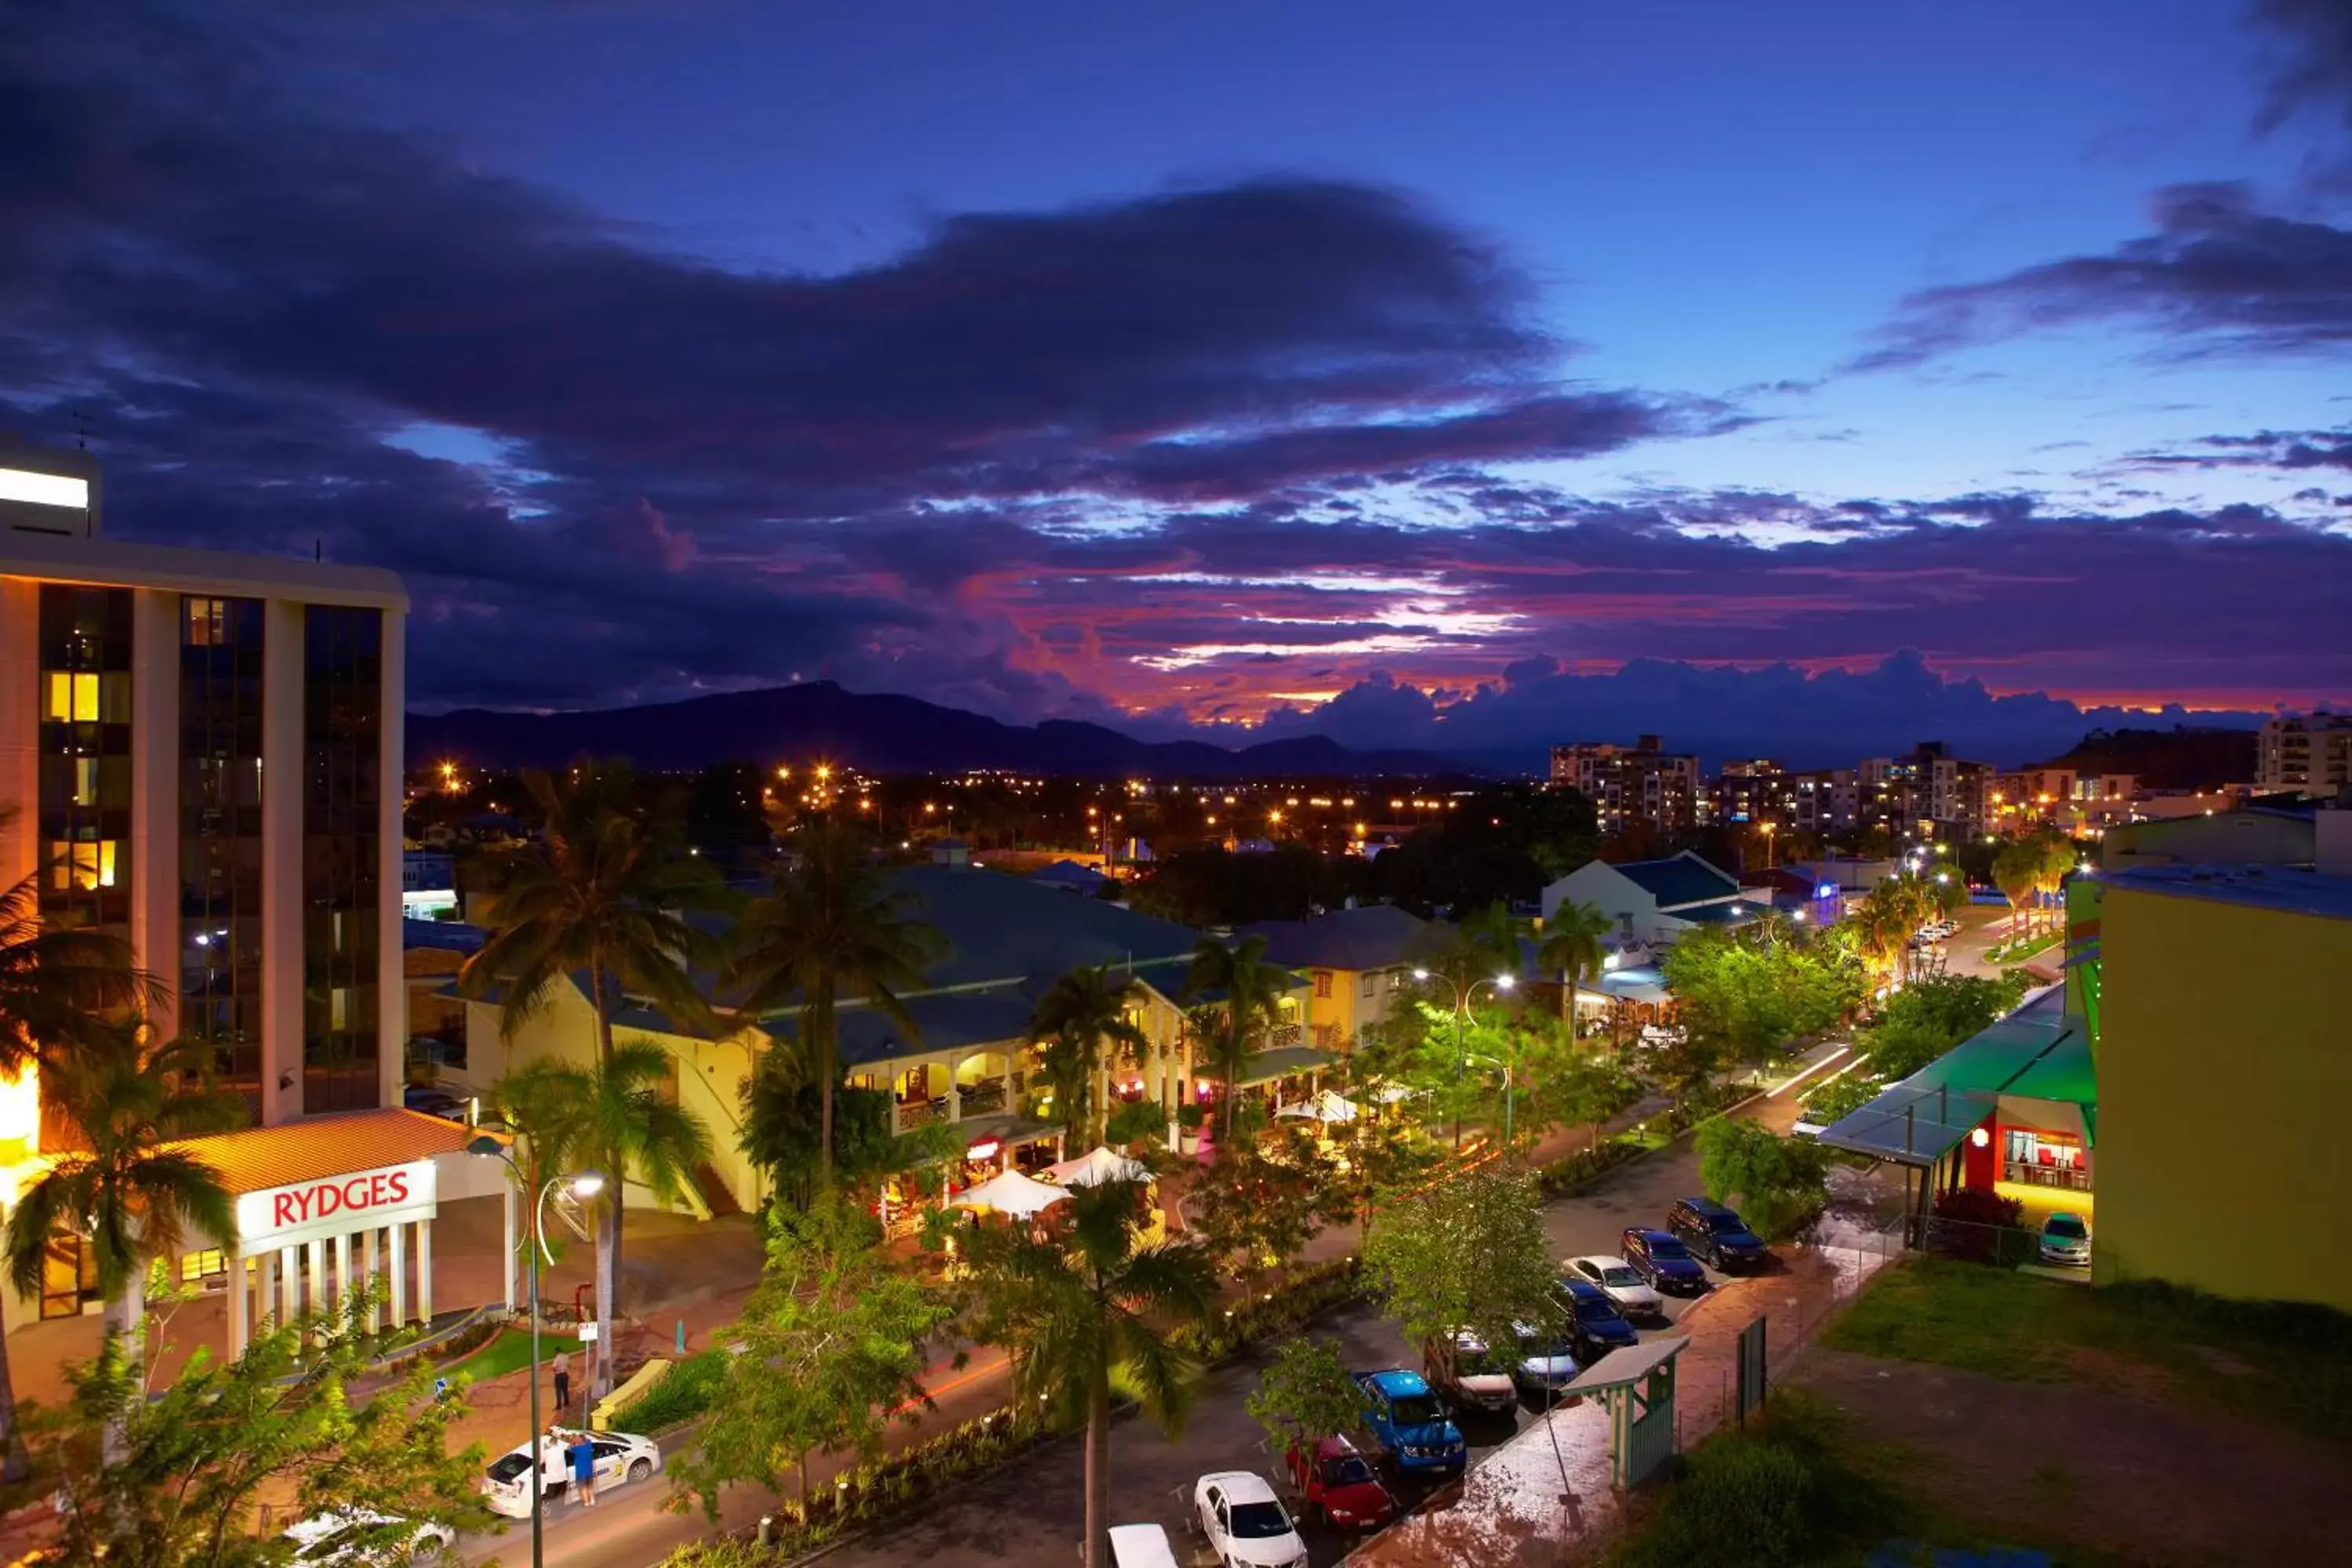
(579, 1185)
(1462, 996)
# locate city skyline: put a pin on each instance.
(1167, 375)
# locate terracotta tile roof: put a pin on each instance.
(263, 1157)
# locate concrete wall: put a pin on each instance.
(2233, 837)
(2224, 1079)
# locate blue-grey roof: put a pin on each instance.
(1723, 914)
(445, 936)
(952, 1021)
(1682, 879)
(1376, 936)
(1001, 928)
(1069, 874)
(2286, 888)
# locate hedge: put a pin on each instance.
(681, 1396)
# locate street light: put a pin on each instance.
(581, 1184)
(1461, 995)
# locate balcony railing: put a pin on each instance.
(985, 1098)
(914, 1113)
(1283, 1035)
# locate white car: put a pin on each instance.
(619, 1458)
(1620, 1284)
(1246, 1524)
(362, 1538)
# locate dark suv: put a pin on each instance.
(1662, 1262)
(1595, 1326)
(1715, 1234)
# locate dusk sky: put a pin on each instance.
(1168, 365)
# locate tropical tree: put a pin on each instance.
(1573, 946)
(1467, 1252)
(1261, 1199)
(1378, 1158)
(56, 981)
(1079, 1017)
(832, 1339)
(1306, 1394)
(1247, 993)
(119, 1185)
(1776, 1180)
(615, 1117)
(2016, 867)
(1087, 1303)
(603, 892)
(174, 1479)
(831, 927)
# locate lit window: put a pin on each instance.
(196, 1266)
(73, 698)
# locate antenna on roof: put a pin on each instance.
(82, 428)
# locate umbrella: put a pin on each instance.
(1011, 1192)
(1096, 1167)
(1327, 1106)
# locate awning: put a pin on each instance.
(1009, 1192)
(1096, 1166)
(1003, 1129)
(1266, 1067)
(1623, 1367)
(1327, 1107)
(1911, 1126)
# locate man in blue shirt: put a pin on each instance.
(583, 1455)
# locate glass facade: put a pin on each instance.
(342, 734)
(220, 834)
(84, 766)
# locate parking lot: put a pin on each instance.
(1032, 1513)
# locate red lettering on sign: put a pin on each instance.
(300, 1205)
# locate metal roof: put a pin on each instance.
(1264, 1066)
(1376, 936)
(1920, 1119)
(259, 1157)
(1682, 879)
(1625, 1365)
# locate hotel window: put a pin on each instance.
(82, 810)
(195, 1267)
(220, 834)
(1371, 984)
(343, 727)
(1322, 984)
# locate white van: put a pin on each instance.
(1141, 1546)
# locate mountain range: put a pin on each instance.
(874, 733)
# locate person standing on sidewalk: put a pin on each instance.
(583, 1455)
(563, 1383)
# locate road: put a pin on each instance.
(1031, 1514)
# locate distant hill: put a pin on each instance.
(873, 732)
(2183, 757)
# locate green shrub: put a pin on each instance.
(683, 1396)
(1773, 1493)
(1580, 1170)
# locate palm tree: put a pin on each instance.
(55, 984)
(122, 1185)
(2015, 870)
(1083, 1302)
(1083, 1012)
(602, 892)
(1249, 992)
(831, 927)
(617, 1118)
(1572, 945)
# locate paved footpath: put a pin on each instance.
(632, 1528)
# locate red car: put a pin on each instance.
(1340, 1485)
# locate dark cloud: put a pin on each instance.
(2312, 61)
(2219, 275)
(2284, 449)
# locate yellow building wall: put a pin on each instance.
(2225, 1072)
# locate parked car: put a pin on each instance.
(1141, 1546)
(2065, 1239)
(1466, 1373)
(362, 1538)
(620, 1456)
(434, 1100)
(1547, 1359)
(1618, 1281)
(1246, 1524)
(1715, 1234)
(1596, 1327)
(1409, 1425)
(1339, 1482)
(1660, 1257)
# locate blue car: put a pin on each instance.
(1406, 1419)
(1663, 1262)
(1596, 1327)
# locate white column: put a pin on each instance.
(289, 1287)
(397, 1266)
(317, 1250)
(342, 1269)
(514, 1258)
(281, 860)
(374, 1269)
(425, 1271)
(238, 1304)
(391, 988)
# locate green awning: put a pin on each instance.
(2036, 1052)
(1266, 1067)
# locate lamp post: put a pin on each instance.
(1461, 995)
(584, 1185)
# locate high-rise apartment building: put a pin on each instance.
(1752, 791)
(2306, 754)
(204, 754)
(1627, 784)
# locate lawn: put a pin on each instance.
(508, 1352)
(2288, 1364)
